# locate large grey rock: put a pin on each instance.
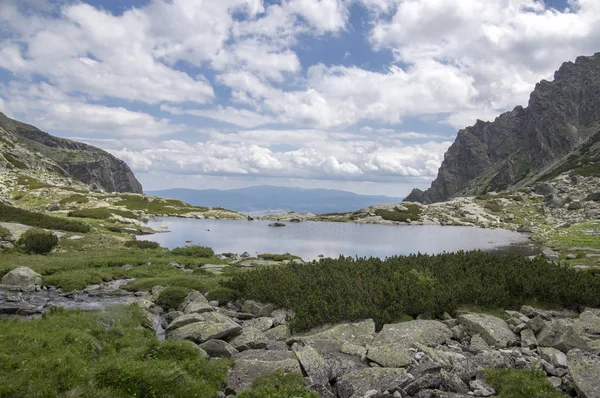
(213, 326)
(585, 371)
(253, 363)
(313, 363)
(21, 278)
(183, 320)
(356, 384)
(493, 330)
(360, 333)
(263, 323)
(218, 348)
(195, 302)
(528, 338)
(553, 356)
(279, 333)
(257, 309)
(250, 338)
(566, 334)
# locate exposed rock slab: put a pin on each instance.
(213, 326)
(492, 329)
(360, 333)
(250, 338)
(585, 371)
(253, 363)
(356, 384)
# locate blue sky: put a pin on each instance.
(363, 95)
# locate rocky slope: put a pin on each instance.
(26, 148)
(559, 130)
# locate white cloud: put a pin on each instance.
(240, 117)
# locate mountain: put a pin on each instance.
(26, 147)
(558, 131)
(267, 198)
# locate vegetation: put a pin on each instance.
(492, 206)
(5, 233)
(193, 251)
(345, 289)
(142, 244)
(33, 219)
(278, 385)
(75, 198)
(172, 297)
(223, 295)
(100, 354)
(31, 183)
(513, 383)
(38, 241)
(12, 159)
(278, 257)
(157, 205)
(101, 213)
(412, 213)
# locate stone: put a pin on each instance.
(218, 348)
(263, 323)
(493, 330)
(250, 338)
(183, 320)
(257, 309)
(422, 382)
(536, 324)
(390, 355)
(213, 326)
(361, 333)
(279, 333)
(280, 317)
(452, 382)
(480, 389)
(555, 381)
(528, 339)
(584, 368)
(478, 344)
(253, 363)
(354, 349)
(552, 355)
(564, 335)
(356, 384)
(313, 363)
(337, 362)
(21, 278)
(195, 302)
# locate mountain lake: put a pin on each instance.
(311, 239)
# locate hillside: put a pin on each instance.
(558, 131)
(26, 148)
(267, 198)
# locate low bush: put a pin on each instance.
(278, 385)
(172, 297)
(114, 228)
(75, 198)
(193, 251)
(38, 241)
(32, 183)
(5, 233)
(33, 219)
(101, 213)
(492, 206)
(278, 257)
(14, 161)
(223, 295)
(157, 205)
(412, 213)
(142, 244)
(513, 383)
(346, 289)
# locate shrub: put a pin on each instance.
(101, 213)
(278, 385)
(223, 295)
(76, 198)
(172, 297)
(278, 257)
(14, 161)
(33, 219)
(5, 234)
(193, 251)
(492, 206)
(142, 244)
(114, 228)
(38, 241)
(513, 383)
(412, 213)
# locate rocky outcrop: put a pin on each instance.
(562, 117)
(28, 148)
(21, 278)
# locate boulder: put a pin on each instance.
(21, 278)
(336, 362)
(263, 323)
(566, 334)
(493, 330)
(553, 356)
(218, 348)
(528, 339)
(356, 384)
(253, 363)
(250, 338)
(279, 333)
(213, 326)
(257, 309)
(183, 320)
(312, 363)
(585, 371)
(360, 333)
(195, 302)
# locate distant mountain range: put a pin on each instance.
(265, 199)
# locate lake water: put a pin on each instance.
(311, 239)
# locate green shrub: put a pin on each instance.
(142, 244)
(38, 241)
(223, 295)
(513, 383)
(33, 219)
(172, 297)
(157, 205)
(101, 213)
(193, 251)
(14, 161)
(492, 206)
(76, 198)
(412, 213)
(32, 183)
(346, 289)
(5, 233)
(114, 228)
(278, 257)
(278, 385)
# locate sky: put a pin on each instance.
(360, 95)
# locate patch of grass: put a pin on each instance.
(413, 213)
(278, 257)
(32, 183)
(193, 251)
(155, 205)
(172, 297)
(33, 219)
(100, 354)
(142, 244)
(513, 383)
(590, 170)
(14, 161)
(75, 198)
(278, 385)
(101, 213)
(346, 289)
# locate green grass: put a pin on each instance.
(492, 206)
(513, 383)
(193, 251)
(278, 257)
(101, 213)
(142, 244)
(32, 183)
(100, 354)
(33, 219)
(14, 161)
(157, 205)
(346, 289)
(278, 385)
(75, 198)
(413, 213)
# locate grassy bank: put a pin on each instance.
(334, 290)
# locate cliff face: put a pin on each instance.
(523, 145)
(26, 147)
